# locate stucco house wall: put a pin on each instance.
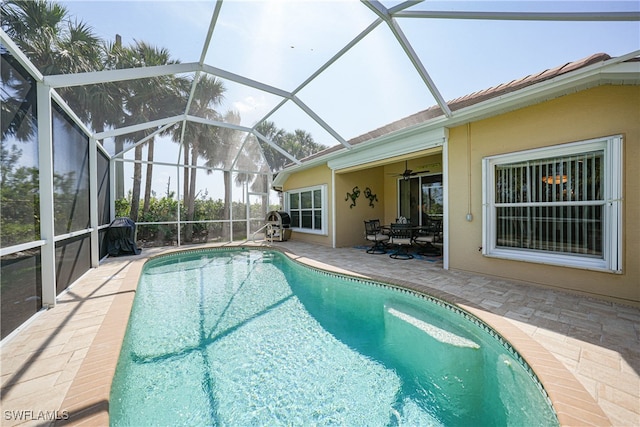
(383, 183)
(582, 115)
(350, 224)
(320, 175)
(601, 111)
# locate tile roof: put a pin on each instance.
(468, 100)
(482, 95)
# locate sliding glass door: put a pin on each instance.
(420, 197)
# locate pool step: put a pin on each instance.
(267, 258)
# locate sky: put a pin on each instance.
(282, 43)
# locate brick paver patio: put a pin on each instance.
(58, 367)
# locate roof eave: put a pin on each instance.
(609, 72)
(613, 71)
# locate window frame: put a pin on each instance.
(323, 209)
(421, 179)
(612, 233)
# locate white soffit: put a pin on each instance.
(389, 160)
(386, 147)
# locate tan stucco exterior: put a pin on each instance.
(320, 175)
(382, 181)
(602, 111)
(597, 112)
(350, 224)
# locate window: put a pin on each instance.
(557, 205)
(307, 209)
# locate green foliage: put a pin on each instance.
(58, 43)
(165, 209)
(122, 207)
(298, 143)
(19, 206)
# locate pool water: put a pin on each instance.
(249, 337)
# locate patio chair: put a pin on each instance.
(373, 233)
(427, 235)
(402, 237)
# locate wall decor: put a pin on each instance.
(370, 196)
(353, 196)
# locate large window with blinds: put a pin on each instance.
(557, 205)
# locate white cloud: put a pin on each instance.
(247, 104)
(251, 109)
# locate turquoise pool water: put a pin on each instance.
(249, 337)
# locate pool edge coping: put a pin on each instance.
(571, 402)
(568, 396)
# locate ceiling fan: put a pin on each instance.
(408, 173)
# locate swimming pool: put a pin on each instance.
(249, 337)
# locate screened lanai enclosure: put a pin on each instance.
(177, 114)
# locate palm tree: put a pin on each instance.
(37, 27)
(57, 44)
(229, 141)
(299, 144)
(18, 100)
(275, 160)
(108, 106)
(54, 42)
(147, 100)
(199, 139)
(252, 158)
(105, 101)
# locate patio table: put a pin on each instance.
(429, 230)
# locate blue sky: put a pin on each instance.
(282, 43)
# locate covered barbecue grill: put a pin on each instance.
(121, 237)
(278, 226)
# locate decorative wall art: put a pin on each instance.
(370, 196)
(353, 196)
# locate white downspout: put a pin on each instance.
(445, 186)
(333, 208)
